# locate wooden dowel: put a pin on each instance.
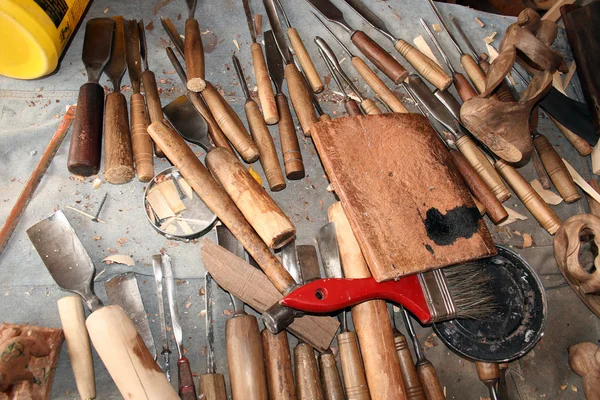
(214, 130)
(263, 82)
(410, 377)
(153, 102)
(378, 56)
(118, 157)
(556, 169)
(308, 382)
(424, 65)
(194, 56)
(290, 148)
(143, 154)
(330, 377)
(278, 365)
(85, 149)
(378, 86)
(301, 98)
(353, 371)
(305, 61)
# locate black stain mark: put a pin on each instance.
(445, 229)
(429, 249)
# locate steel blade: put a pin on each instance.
(329, 251)
(289, 260)
(97, 46)
(173, 35)
(173, 309)
(464, 37)
(433, 106)
(209, 286)
(134, 58)
(309, 262)
(158, 280)
(229, 242)
(331, 12)
(274, 60)
(371, 18)
(143, 43)
(277, 30)
(118, 64)
(249, 19)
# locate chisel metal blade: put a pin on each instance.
(371, 18)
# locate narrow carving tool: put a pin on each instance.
(350, 105)
(157, 268)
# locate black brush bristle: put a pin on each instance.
(471, 290)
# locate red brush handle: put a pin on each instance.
(187, 390)
(328, 295)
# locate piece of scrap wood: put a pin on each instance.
(490, 39)
(436, 27)
(547, 195)
(569, 74)
(512, 216)
(257, 24)
(171, 195)
(424, 48)
(480, 22)
(159, 204)
(581, 182)
(119, 259)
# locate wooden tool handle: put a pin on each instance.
(480, 190)
(369, 107)
(301, 98)
(290, 148)
(529, 197)
(483, 167)
(72, 319)
(583, 148)
(474, 72)
(305, 61)
(353, 371)
(194, 56)
(118, 157)
(463, 87)
(245, 358)
(126, 357)
(556, 169)
(352, 107)
(487, 371)
(378, 56)
(278, 365)
(214, 130)
(410, 377)
(143, 155)
(266, 147)
(212, 387)
(308, 382)
(480, 207)
(330, 377)
(424, 65)
(153, 102)
(86, 139)
(324, 117)
(503, 93)
(265, 90)
(215, 197)
(430, 381)
(187, 390)
(378, 86)
(230, 124)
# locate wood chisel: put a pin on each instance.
(350, 105)
(157, 268)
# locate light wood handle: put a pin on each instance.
(301, 98)
(583, 148)
(266, 147)
(290, 148)
(474, 72)
(483, 167)
(487, 371)
(352, 107)
(410, 377)
(370, 108)
(72, 319)
(430, 381)
(126, 357)
(218, 201)
(143, 155)
(308, 382)
(245, 358)
(118, 157)
(463, 87)
(324, 117)
(594, 205)
(529, 197)
(384, 93)
(265, 90)
(214, 130)
(230, 124)
(556, 169)
(353, 371)
(153, 102)
(194, 56)
(424, 65)
(212, 387)
(330, 377)
(305, 61)
(378, 56)
(187, 390)
(278, 365)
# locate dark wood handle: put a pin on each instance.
(290, 148)
(187, 390)
(305, 61)
(424, 65)
(143, 155)
(86, 140)
(118, 157)
(278, 365)
(378, 56)
(194, 56)
(352, 107)
(301, 98)
(410, 377)
(463, 87)
(214, 130)
(308, 382)
(487, 371)
(153, 102)
(474, 72)
(330, 377)
(265, 90)
(353, 371)
(212, 387)
(369, 107)
(430, 381)
(556, 169)
(378, 86)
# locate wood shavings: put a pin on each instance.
(574, 388)
(490, 39)
(581, 182)
(480, 22)
(227, 312)
(512, 216)
(98, 274)
(569, 75)
(255, 175)
(96, 183)
(424, 48)
(436, 27)
(96, 238)
(119, 259)
(257, 24)
(491, 51)
(527, 240)
(235, 42)
(563, 387)
(558, 83)
(547, 195)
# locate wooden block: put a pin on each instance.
(159, 204)
(171, 195)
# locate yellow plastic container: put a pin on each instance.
(33, 34)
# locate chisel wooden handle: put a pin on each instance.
(245, 358)
(353, 371)
(214, 130)
(424, 65)
(219, 202)
(556, 169)
(212, 387)
(324, 117)
(386, 95)
(126, 357)
(118, 157)
(583, 148)
(529, 197)
(474, 72)
(463, 87)
(489, 374)
(430, 381)
(352, 107)
(153, 102)
(268, 155)
(410, 377)
(305, 61)
(290, 148)
(278, 365)
(194, 56)
(301, 98)
(72, 319)
(330, 377)
(143, 155)
(230, 124)
(378, 56)
(308, 382)
(187, 390)
(265, 90)
(369, 107)
(86, 140)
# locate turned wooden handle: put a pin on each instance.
(72, 319)
(529, 197)
(266, 147)
(430, 381)
(562, 180)
(290, 148)
(483, 167)
(143, 155)
(118, 157)
(187, 390)
(503, 93)
(353, 371)
(153, 102)
(479, 189)
(375, 83)
(474, 72)
(308, 382)
(278, 365)
(245, 358)
(583, 148)
(463, 87)
(86, 140)
(424, 65)
(378, 56)
(301, 98)
(265, 90)
(352, 107)
(194, 56)
(330, 377)
(219, 202)
(370, 108)
(126, 357)
(214, 130)
(305, 61)
(212, 387)
(230, 124)
(324, 117)
(410, 377)
(259, 209)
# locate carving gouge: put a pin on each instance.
(350, 105)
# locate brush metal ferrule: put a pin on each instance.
(438, 296)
